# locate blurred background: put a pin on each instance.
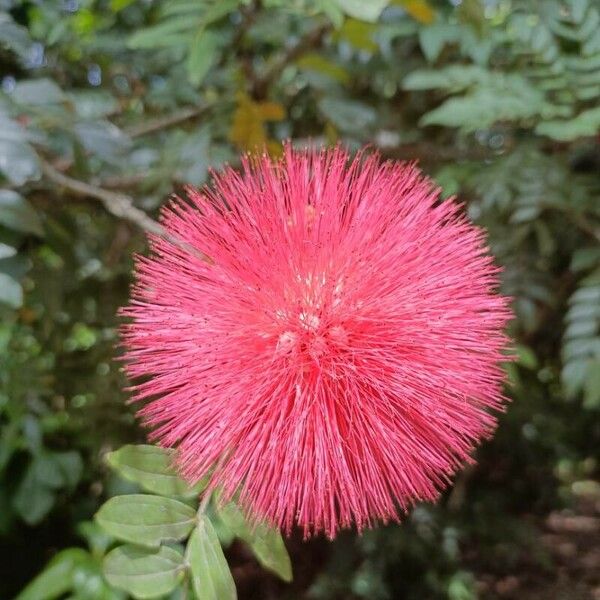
(108, 106)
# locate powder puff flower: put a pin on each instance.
(338, 354)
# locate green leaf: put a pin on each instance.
(144, 573)
(14, 36)
(586, 123)
(581, 342)
(453, 78)
(104, 139)
(6, 251)
(57, 577)
(364, 10)
(54, 470)
(179, 7)
(584, 259)
(195, 156)
(147, 520)
(173, 31)
(269, 548)
(201, 56)
(348, 115)
(96, 538)
(70, 465)
(11, 292)
(117, 5)
(434, 37)
(47, 470)
(93, 104)
(509, 98)
(333, 11)
(37, 92)
(35, 497)
(16, 213)
(90, 584)
(18, 161)
(11, 130)
(526, 357)
(215, 12)
(234, 520)
(359, 34)
(211, 577)
(150, 467)
(266, 542)
(316, 62)
(591, 388)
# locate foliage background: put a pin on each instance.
(107, 106)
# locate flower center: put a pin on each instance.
(311, 340)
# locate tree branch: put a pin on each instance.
(185, 114)
(120, 182)
(429, 152)
(577, 219)
(119, 205)
(312, 39)
(179, 116)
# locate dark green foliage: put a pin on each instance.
(108, 106)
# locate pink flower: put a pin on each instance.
(340, 352)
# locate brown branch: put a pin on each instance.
(429, 152)
(119, 205)
(249, 13)
(120, 182)
(577, 219)
(311, 40)
(179, 116)
(152, 126)
(185, 114)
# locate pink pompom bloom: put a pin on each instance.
(338, 355)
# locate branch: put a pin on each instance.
(249, 13)
(180, 116)
(185, 114)
(119, 205)
(310, 40)
(430, 152)
(578, 220)
(120, 182)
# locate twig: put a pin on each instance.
(121, 181)
(119, 205)
(185, 114)
(310, 40)
(428, 153)
(578, 220)
(248, 17)
(179, 116)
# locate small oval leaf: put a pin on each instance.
(150, 467)
(201, 55)
(18, 214)
(211, 577)
(265, 542)
(365, 11)
(57, 577)
(144, 573)
(11, 292)
(146, 520)
(268, 547)
(7, 251)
